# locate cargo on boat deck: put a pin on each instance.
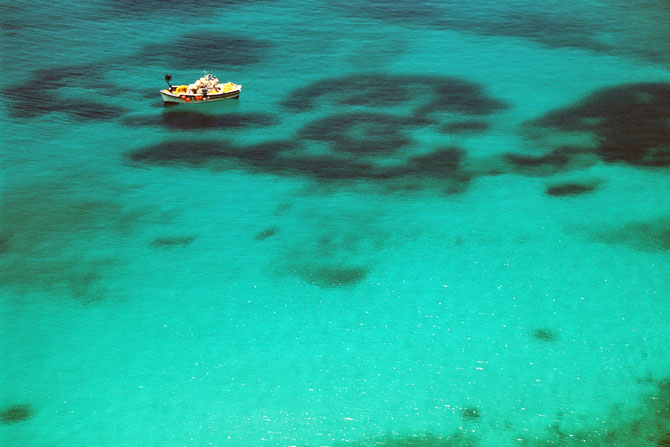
(206, 89)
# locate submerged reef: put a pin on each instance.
(369, 135)
(561, 159)
(191, 9)
(429, 439)
(569, 189)
(60, 235)
(287, 158)
(319, 261)
(267, 233)
(643, 425)
(171, 242)
(360, 133)
(330, 255)
(470, 413)
(545, 334)
(548, 29)
(630, 123)
(16, 413)
(70, 88)
(464, 127)
(331, 276)
(650, 236)
(31, 103)
(241, 50)
(424, 96)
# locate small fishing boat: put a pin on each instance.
(206, 89)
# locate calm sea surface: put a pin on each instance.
(423, 223)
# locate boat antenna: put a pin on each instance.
(167, 79)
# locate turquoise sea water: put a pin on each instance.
(423, 223)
